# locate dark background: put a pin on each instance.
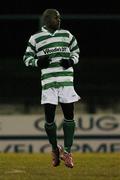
(97, 29)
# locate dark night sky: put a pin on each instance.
(64, 6)
(104, 33)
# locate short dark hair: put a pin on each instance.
(46, 14)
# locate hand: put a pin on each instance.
(43, 62)
(66, 63)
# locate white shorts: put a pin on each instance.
(63, 95)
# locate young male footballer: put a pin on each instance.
(55, 51)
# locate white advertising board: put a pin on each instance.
(93, 133)
(102, 124)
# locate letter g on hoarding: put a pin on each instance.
(107, 123)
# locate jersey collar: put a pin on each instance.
(45, 30)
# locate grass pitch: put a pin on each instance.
(38, 167)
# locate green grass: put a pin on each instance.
(38, 167)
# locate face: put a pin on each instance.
(53, 20)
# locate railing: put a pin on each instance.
(64, 16)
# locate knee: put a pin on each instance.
(69, 116)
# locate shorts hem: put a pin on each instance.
(71, 101)
(49, 102)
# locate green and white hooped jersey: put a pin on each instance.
(59, 45)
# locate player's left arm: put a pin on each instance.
(74, 50)
(74, 53)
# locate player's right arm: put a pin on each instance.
(30, 58)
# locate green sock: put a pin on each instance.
(68, 128)
(51, 133)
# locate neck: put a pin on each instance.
(51, 30)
